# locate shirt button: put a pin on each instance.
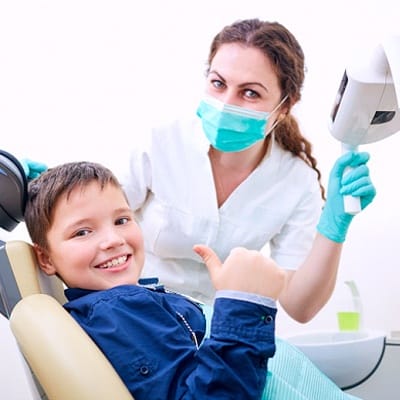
(144, 370)
(268, 319)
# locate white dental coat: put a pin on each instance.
(171, 187)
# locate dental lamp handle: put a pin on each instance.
(351, 204)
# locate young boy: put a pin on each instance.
(84, 231)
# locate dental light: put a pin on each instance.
(366, 107)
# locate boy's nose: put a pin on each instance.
(111, 239)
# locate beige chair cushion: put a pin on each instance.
(64, 359)
(29, 278)
(67, 363)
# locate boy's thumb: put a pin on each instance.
(209, 257)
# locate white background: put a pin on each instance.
(83, 79)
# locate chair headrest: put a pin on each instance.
(13, 191)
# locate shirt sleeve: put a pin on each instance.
(234, 359)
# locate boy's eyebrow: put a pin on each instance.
(83, 221)
(124, 209)
(77, 223)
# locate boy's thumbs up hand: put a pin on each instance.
(243, 270)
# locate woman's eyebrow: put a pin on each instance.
(244, 84)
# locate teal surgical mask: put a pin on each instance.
(232, 128)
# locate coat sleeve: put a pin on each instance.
(136, 178)
(291, 245)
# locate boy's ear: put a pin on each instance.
(44, 260)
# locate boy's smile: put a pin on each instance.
(94, 241)
(114, 262)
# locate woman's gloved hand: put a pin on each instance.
(32, 169)
(334, 221)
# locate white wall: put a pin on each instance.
(81, 79)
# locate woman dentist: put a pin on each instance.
(240, 173)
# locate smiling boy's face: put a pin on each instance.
(94, 242)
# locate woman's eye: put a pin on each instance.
(217, 84)
(251, 94)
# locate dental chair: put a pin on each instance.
(65, 362)
(63, 359)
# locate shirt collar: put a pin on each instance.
(148, 283)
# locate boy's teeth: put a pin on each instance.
(114, 262)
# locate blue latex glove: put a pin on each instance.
(334, 221)
(32, 169)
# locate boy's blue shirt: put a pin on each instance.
(147, 334)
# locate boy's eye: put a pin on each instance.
(82, 232)
(122, 221)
